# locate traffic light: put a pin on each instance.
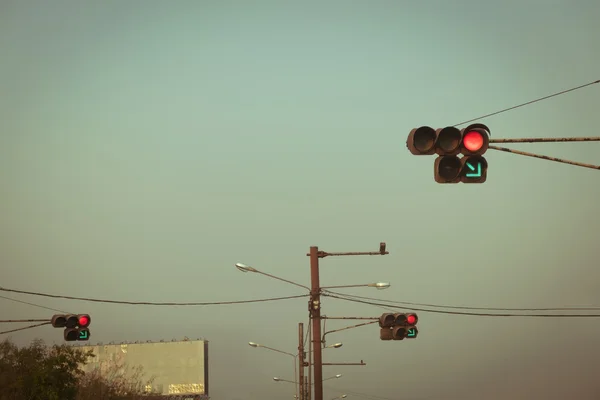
(448, 143)
(76, 326)
(398, 326)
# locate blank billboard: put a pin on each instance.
(176, 368)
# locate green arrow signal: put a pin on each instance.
(84, 335)
(472, 168)
(412, 332)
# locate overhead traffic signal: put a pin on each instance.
(398, 326)
(76, 326)
(448, 143)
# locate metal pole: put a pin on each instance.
(310, 386)
(307, 390)
(315, 314)
(300, 382)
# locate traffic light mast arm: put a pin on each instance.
(560, 160)
(548, 140)
(349, 327)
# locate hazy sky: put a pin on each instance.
(147, 146)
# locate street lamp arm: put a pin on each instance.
(348, 327)
(247, 268)
(279, 351)
(378, 285)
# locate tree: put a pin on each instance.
(117, 382)
(39, 372)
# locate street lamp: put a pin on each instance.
(333, 377)
(247, 268)
(253, 344)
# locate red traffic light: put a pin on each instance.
(84, 321)
(473, 141)
(411, 319)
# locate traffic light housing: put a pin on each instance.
(398, 326)
(76, 326)
(448, 143)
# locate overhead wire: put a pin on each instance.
(535, 140)
(465, 313)
(24, 328)
(148, 303)
(32, 304)
(529, 102)
(578, 308)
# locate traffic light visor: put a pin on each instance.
(387, 320)
(72, 321)
(421, 141)
(400, 319)
(448, 141)
(71, 334)
(399, 333)
(59, 321)
(447, 169)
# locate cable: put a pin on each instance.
(147, 303)
(33, 304)
(22, 320)
(529, 102)
(22, 329)
(468, 307)
(468, 313)
(560, 160)
(308, 332)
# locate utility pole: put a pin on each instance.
(315, 315)
(301, 391)
(315, 310)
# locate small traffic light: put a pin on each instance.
(448, 143)
(398, 326)
(76, 326)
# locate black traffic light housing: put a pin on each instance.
(76, 326)
(448, 143)
(398, 326)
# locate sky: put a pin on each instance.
(148, 146)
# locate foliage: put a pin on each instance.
(40, 372)
(117, 382)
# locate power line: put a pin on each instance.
(147, 303)
(22, 320)
(529, 102)
(469, 307)
(475, 314)
(33, 304)
(22, 329)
